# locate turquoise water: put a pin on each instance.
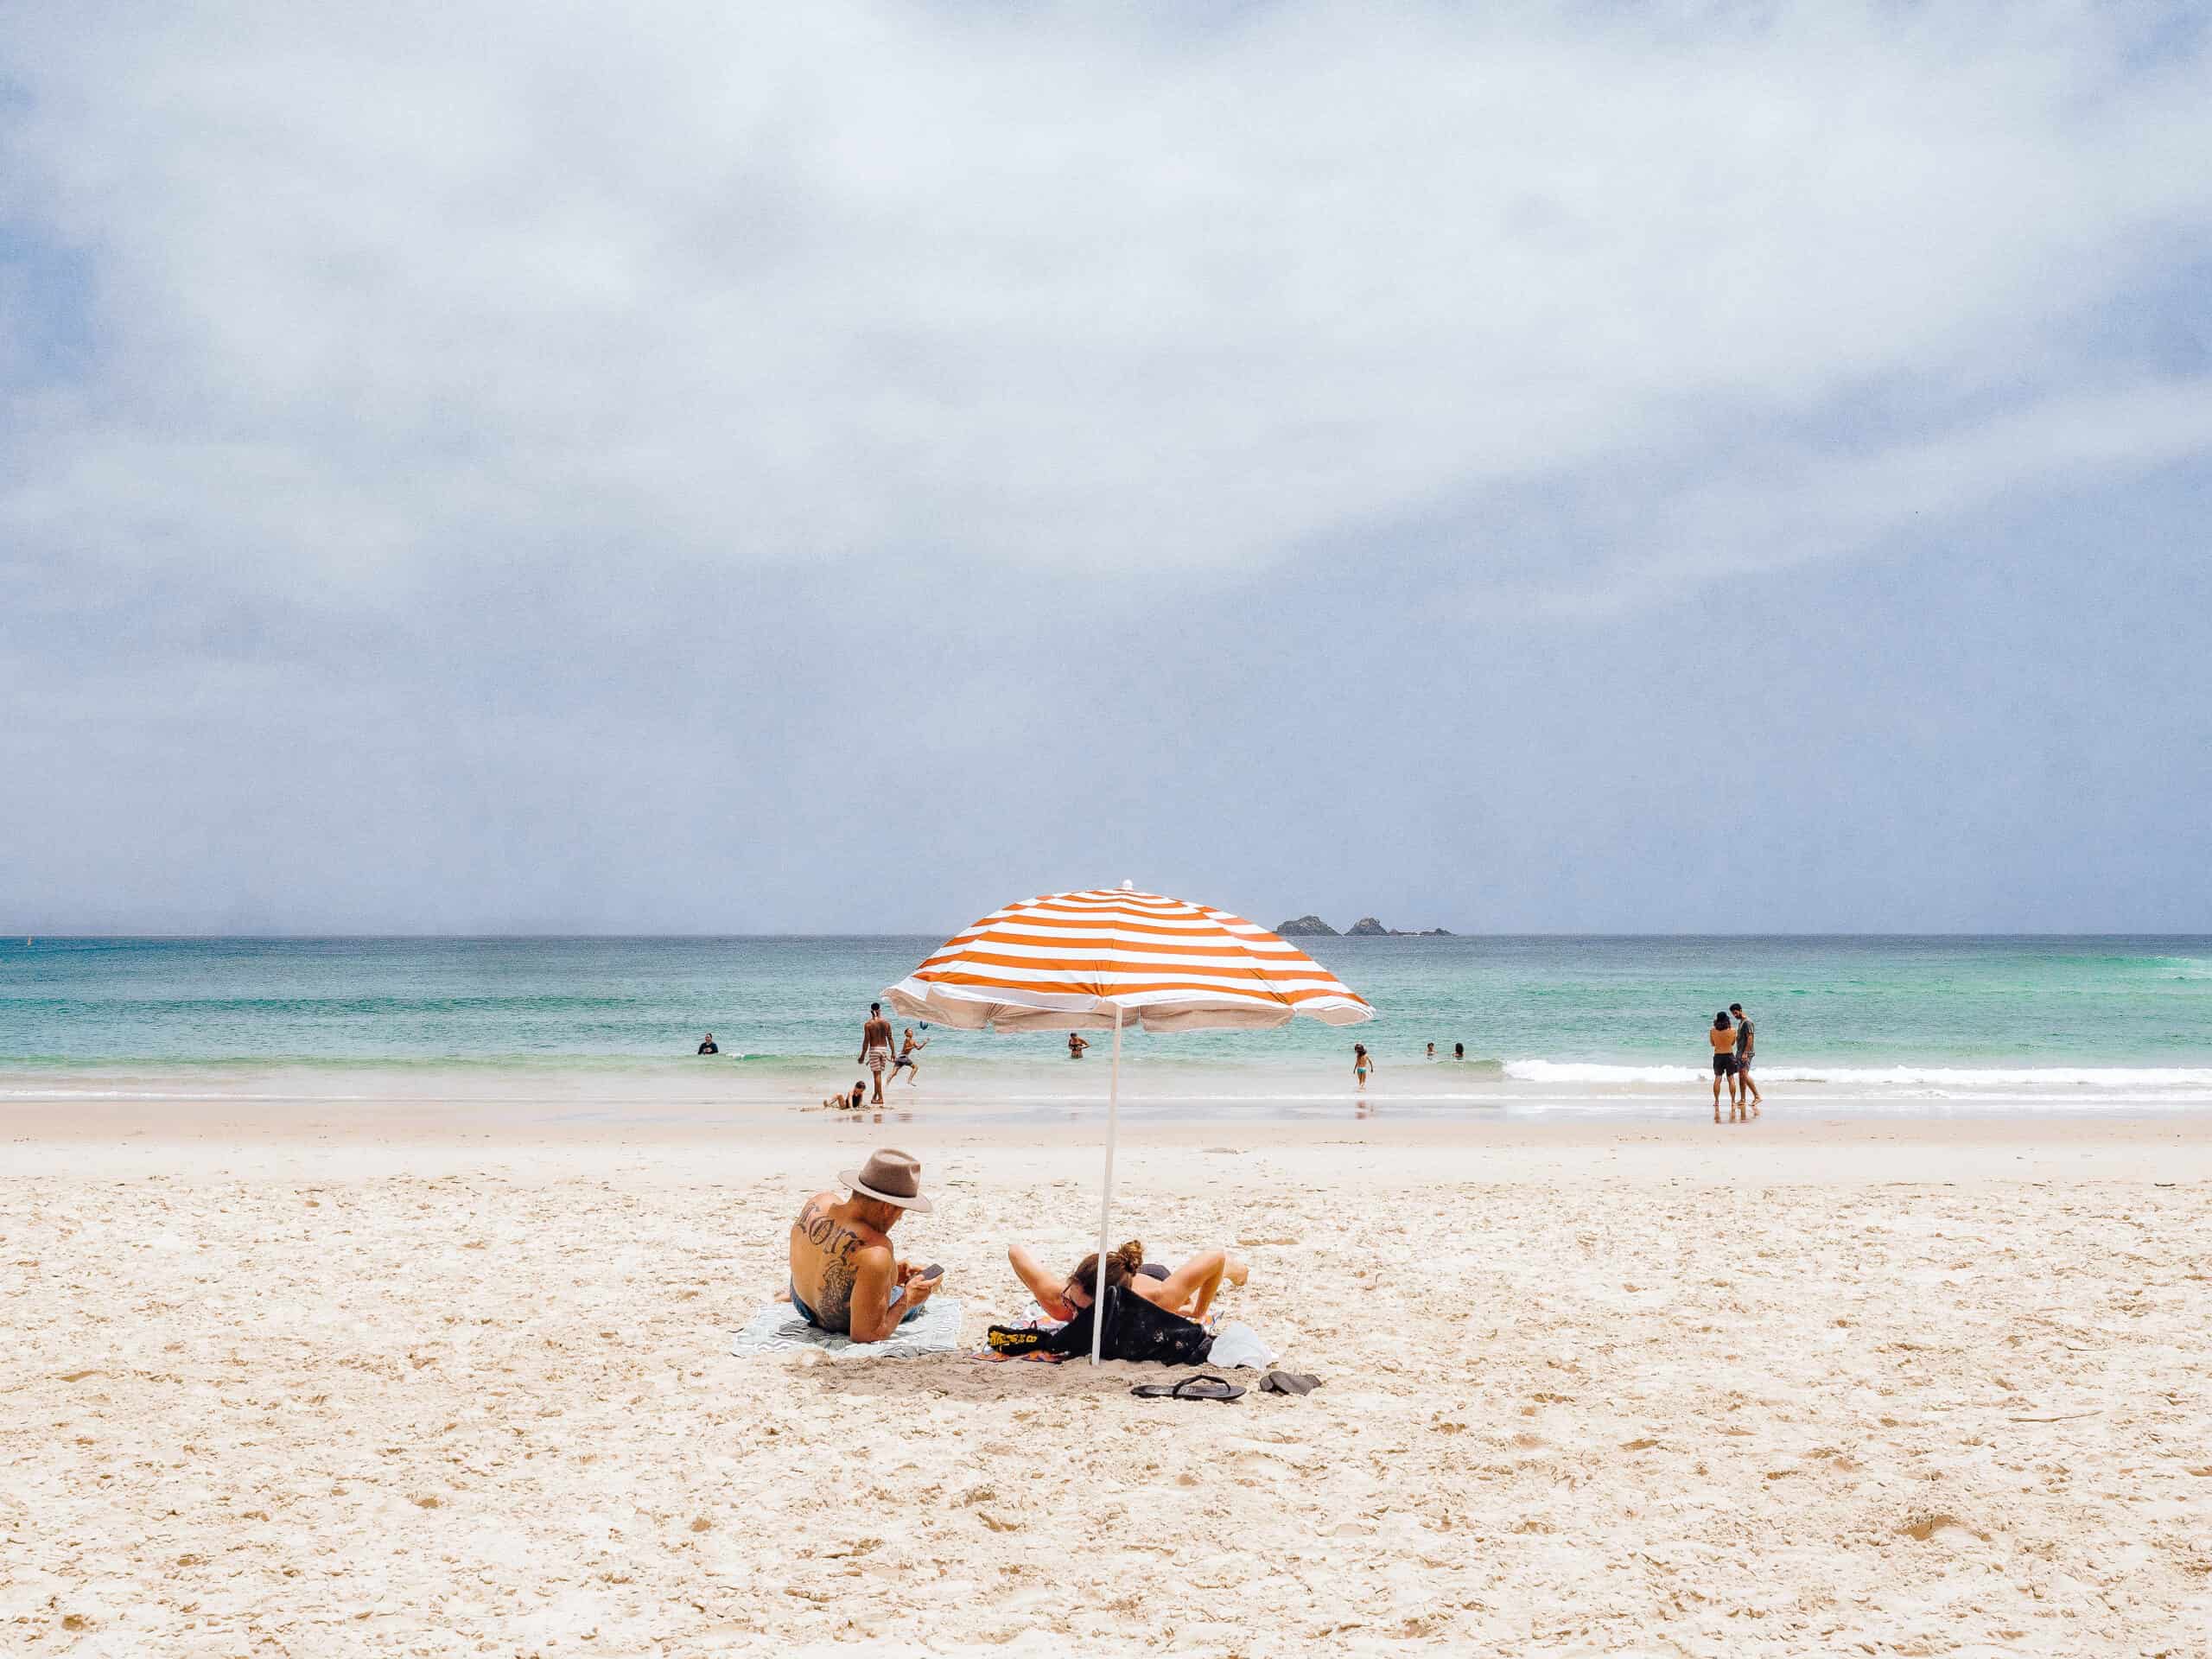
(1536, 1010)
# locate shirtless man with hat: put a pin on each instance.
(844, 1277)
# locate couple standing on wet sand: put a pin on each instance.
(1734, 1045)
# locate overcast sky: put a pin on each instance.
(840, 466)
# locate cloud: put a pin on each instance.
(513, 287)
(489, 465)
(1792, 505)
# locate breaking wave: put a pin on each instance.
(1923, 1077)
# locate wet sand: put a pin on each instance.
(275, 1383)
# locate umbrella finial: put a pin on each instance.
(1128, 886)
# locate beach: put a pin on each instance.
(317, 1381)
(684, 682)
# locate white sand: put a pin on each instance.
(1868, 1387)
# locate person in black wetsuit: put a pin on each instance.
(708, 1046)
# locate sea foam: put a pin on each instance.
(1944, 1076)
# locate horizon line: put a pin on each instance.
(8, 936)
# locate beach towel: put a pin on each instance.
(776, 1328)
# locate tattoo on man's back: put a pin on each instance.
(836, 1242)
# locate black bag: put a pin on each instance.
(1136, 1329)
(1017, 1339)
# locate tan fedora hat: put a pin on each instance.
(890, 1175)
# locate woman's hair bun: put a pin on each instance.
(1131, 1255)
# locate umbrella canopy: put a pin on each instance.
(1115, 957)
(1110, 956)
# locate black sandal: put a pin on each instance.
(1191, 1387)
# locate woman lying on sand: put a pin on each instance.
(1188, 1291)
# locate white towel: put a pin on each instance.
(1239, 1345)
(777, 1329)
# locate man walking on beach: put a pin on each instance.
(844, 1277)
(875, 1047)
(1745, 1044)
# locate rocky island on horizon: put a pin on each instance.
(1313, 927)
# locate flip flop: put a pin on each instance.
(1191, 1387)
(1288, 1382)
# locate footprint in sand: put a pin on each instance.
(1924, 1528)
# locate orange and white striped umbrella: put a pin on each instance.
(1115, 957)
(1113, 954)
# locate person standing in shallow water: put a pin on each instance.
(1723, 1038)
(1746, 1091)
(875, 1047)
(1362, 1063)
(906, 1061)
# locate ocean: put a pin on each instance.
(2007, 1023)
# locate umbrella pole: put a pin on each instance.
(1106, 1198)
